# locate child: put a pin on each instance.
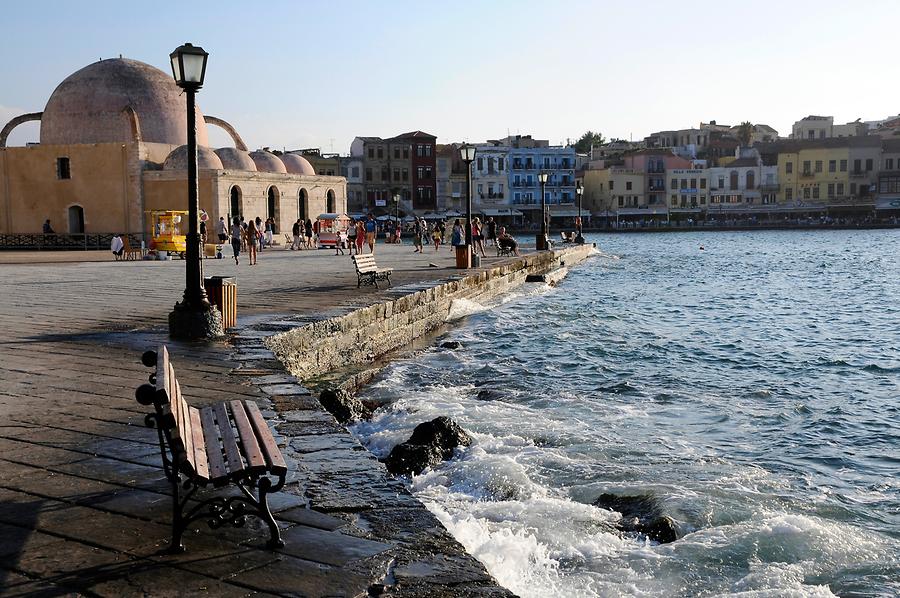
(342, 240)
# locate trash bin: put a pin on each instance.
(222, 292)
(463, 257)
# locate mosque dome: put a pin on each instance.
(90, 106)
(267, 162)
(235, 159)
(206, 159)
(297, 164)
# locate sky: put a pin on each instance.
(299, 74)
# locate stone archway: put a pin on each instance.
(303, 205)
(76, 220)
(273, 199)
(330, 202)
(236, 201)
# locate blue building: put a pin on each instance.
(528, 157)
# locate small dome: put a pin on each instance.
(297, 164)
(206, 159)
(235, 159)
(267, 162)
(89, 106)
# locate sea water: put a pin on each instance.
(747, 380)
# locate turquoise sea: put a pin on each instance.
(747, 380)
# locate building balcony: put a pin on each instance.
(769, 187)
(807, 174)
(656, 170)
(656, 188)
(858, 174)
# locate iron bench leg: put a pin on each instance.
(265, 487)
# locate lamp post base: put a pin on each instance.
(540, 242)
(188, 323)
(463, 257)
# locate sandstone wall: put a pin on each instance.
(370, 332)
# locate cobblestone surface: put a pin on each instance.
(84, 506)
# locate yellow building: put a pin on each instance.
(112, 147)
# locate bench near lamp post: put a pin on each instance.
(194, 316)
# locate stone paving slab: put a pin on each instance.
(84, 507)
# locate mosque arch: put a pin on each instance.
(329, 201)
(24, 118)
(303, 205)
(76, 220)
(273, 198)
(236, 201)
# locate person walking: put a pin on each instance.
(202, 236)
(492, 230)
(259, 229)
(270, 229)
(295, 230)
(351, 237)
(222, 230)
(254, 238)
(341, 240)
(477, 237)
(456, 237)
(437, 237)
(237, 237)
(371, 229)
(308, 229)
(417, 235)
(360, 236)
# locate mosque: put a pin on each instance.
(112, 147)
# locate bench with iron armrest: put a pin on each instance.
(224, 444)
(368, 272)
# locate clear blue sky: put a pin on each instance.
(316, 74)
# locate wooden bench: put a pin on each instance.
(224, 444)
(368, 272)
(129, 252)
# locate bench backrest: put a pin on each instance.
(185, 432)
(365, 263)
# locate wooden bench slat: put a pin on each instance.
(201, 464)
(252, 452)
(229, 442)
(184, 422)
(217, 469)
(271, 452)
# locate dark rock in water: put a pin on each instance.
(430, 443)
(641, 514)
(343, 406)
(487, 395)
(451, 344)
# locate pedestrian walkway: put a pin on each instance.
(84, 506)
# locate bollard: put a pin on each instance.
(222, 292)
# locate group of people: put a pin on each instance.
(251, 236)
(302, 233)
(425, 233)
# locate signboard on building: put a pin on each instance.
(380, 203)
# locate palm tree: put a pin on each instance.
(745, 133)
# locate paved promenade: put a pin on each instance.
(84, 507)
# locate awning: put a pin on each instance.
(643, 211)
(501, 212)
(563, 213)
(684, 211)
(888, 203)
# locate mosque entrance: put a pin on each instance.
(76, 220)
(236, 202)
(329, 202)
(272, 206)
(303, 205)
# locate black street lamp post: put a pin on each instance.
(579, 190)
(467, 155)
(193, 317)
(397, 215)
(541, 242)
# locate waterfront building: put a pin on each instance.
(352, 170)
(404, 165)
(614, 149)
(490, 176)
(888, 192)
(526, 158)
(687, 190)
(823, 127)
(324, 164)
(114, 136)
(745, 184)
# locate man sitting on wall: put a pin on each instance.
(117, 246)
(505, 241)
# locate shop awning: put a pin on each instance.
(888, 203)
(501, 212)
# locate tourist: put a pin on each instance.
(505, 241)
(238, 237)
(254, 240)
(437, 237)
(259, 235)
(477, 237)
(341, 240)
(222, 230)
(456, 237)
(371, 227)
(270, 229)
(295, 230)
(202, 236)
(398, 232)
(243, 234)
(308, 229)
(351, 237)
(360, 236)
(491, 230)
(48, 230)
(417, 235)
(117, 246)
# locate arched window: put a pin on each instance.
(733, 183)
(272, 205)
(751, 180)
(303, 205)
(76, 220)
(236, 196)
(329, 202)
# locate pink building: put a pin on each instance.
(654, 163)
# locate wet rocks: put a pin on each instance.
(451, 345)
(641, 514)
(344, 406)
(430, 444)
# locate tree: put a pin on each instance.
(745, 133)
(586, 141)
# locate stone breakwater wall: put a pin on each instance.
(368, 333)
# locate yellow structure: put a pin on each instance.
(112, 148)
(835, 172)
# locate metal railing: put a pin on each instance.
(63, 241)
